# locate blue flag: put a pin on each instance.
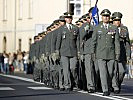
(95, 15)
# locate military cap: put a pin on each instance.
(80, 18)
(35, 37)
(48, 27)
(77, 21)
(61, 18)
(87, 15)
(117, 16)
(56, 21)
(105, 12)
(39, 34)
(52, 24)
(84, 16)
(90, 10)
(68, 14)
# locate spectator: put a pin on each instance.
(1, 63)
(25, 62)
(6, 63)
(19, 61)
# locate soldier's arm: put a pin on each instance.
(78, 42)
(58, 42)
(30, 52)
(128, 45)
(117, 43)
(94, 40)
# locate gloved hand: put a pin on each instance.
(78, 55)
(93, 55)
(128, 58)
(37, 61)
(34, 59)
(45, 58)
(57, 55)
(41, 60)
(117, 57)
(82, 58)
(53, 56)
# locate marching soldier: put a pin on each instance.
(32, 54)
(54, 69)
(107, 48)
(125, 48)
(55, 57)
(79, 23)
(36, 75)
(66, 46)
(87, 53)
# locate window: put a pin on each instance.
(78, 9)
(20, 9)
(4, 10)
(4, 44)
(30, 41)
(19, 44)
(72, 8)
(76, 6)
(30, 9)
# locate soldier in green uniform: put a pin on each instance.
(43, 68)
(87, 32)
(48, 55)
(66, 46)
(31, 55)
(54, 66)
(37, 69)
(79, 23)
(106, 45)
(125, 48)
(58, 70)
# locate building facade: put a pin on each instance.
(21, 20)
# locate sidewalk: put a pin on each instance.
(22, 74)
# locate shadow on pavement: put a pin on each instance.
(50, 94)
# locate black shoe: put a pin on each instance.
(116, 91)
(62, 89)
(111, 89)
(106, 93)
(37, 80)
(68, 89)
(91, 91)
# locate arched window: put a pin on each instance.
(76, 7)
(19, 44)
(30, 41)
(4, 44)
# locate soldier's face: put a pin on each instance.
(117, 23)
(68, 20)
(105, 19)
(88, 19)
(62, 23)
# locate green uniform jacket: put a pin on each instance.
(66, 41)
(106, 43)
(32, 51)
(53, 40)
(42, 46)
(87, 32)
(48, 43)
(80, 45)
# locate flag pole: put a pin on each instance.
(96, 2)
